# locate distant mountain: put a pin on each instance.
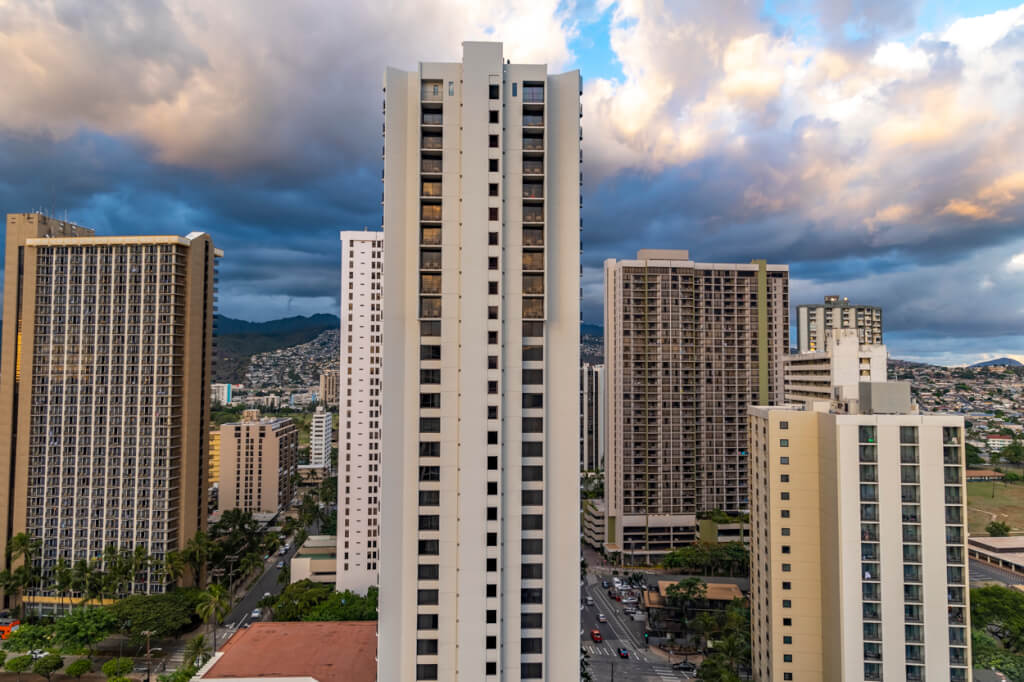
(998, 362)
(238, 340)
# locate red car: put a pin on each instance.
(595, 635)
(623, 653)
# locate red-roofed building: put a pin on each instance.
(300, 652)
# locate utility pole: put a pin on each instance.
(149, 654)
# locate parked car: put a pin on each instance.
(257, 614)
(590, 601)
(37, 653)
(685, 666)
(623, 653)
(595, 635)
(629, 610)
(601, 618)
(280, 564)
(604, 584)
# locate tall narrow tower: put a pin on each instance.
(104, 392)
(359, 417)
(480, 518)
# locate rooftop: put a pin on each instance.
(323, 651)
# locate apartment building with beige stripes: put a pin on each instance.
(858, 554)
(688, 346)
(104, 392)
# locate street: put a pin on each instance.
(620, 631)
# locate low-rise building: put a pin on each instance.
(329, 384)
(316, 560)
(1006, 553)
(220, 394)
(594, 529)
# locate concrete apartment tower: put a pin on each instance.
(688, 346)
(842, 361)
(593, 412)
(480, 522)
(359, 428)
(259, 459)
(329, 385)
(320, 438)
(858, 538)
(104, 391)
(815, 323)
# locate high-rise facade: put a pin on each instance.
(259, 460)
(104, 391)
(843, 361)
(480, 523)
(359, 428)
(593, 410)
(815, 323)
(213, 475)
(688, 346)
(858, 556)
(329, 385)
(220, 394)
(320, 437)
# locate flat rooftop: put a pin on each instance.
(323, 651)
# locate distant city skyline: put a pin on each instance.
(871, 149)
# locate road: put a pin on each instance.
(620, 631)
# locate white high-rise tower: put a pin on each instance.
(359, 421)
(480, 516)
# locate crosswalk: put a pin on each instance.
(664, 673)
(605, 649)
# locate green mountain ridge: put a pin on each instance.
(238, 340)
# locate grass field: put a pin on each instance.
(984, 499)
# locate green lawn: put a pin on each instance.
(984, 499)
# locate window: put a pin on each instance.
(492, 437)
(533, 449)
(428, 572)
(492, 141)
(533, 572)
(533, 498)
(908, 434)
(492, 313)
(533, 522)
(430, 498)
(492, 539)
(429, 547)
(787, 622)
(492, 411)
(430, 449)
(530, 645)
(533, 425)
(533, 376)
(533, 473)
(426, 621)
(786, 568)
(531, 671)
(492, 565)
(492, 513)
(430, 328)
(531, 400)
(785, 496)
(492, 189)
(492, 590)
(786, 585)
(533, 328)
(430, 473)
(783, 460)
(784, 426)
(784, 478)
(492, 92)
(430, 522)
(492, 487)
(426, 647)
(430, 425)
(492, 616)
(531, 620)
(783, 442)
(492, 263)
(492, 212)
(532, 546)
(787, 604)
(430, 352)
(787, 658)
(430, 400)
(785, 513)
(426, 597)
(515, 87)
(492, 463)
(430, 376)
(426, 671)
(492, 338)
(492, 117)
(785, 549)
(492, 240)
(492, 387)
(531, 595)
(533, 352)
(492, 165)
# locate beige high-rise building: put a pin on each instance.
(259, 459)
(842, 361)
(329, 384)
(104, 391)
(213, 478)
(480, 517)
(593, 412)
(815, 323)
(858, 556)
(688, 347)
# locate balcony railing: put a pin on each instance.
(529, 143)
(430, 212)
(430, 165)
(431, 142)
(533, 167)
(432, 119)
(533, 120)
(533, 191)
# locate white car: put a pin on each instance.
(601, 618)
(257, 614)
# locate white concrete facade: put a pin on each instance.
(480, 526)
(320, 434)
(359, 420)
(843, 361)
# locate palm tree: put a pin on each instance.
(250, 562)
(81, 578)
(212, 607)
(63, 580)
(174, 566)
(271, 543)
(25, 547)
(140, 563)
(197, 651)
(197, 551)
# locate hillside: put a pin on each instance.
(238, 340)
(998, 362)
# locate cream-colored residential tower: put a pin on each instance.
(480, 511)
(688, 346)
(104, 391)
(858, 557)
(359, 429)
(816, 323)
(259, 459)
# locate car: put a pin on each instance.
(245, 625)
(37, 653)
(604, 584)
(601, 618)
(595, 635)
(140, 667)
(257, 614)
(590, 601)
(622, 652)
(685, 666)
(282, 551)
(280, 564)
(629, 610)
(267, 595)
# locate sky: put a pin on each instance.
(875, 146)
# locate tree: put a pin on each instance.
(251, 562)
(345, 605)
(165, 615)
(197, 651)
(212, 607)
(196, 553)
(117, 667)
(18, 665)
(284, 577)
(997, 529)
(63, 580)
(30, 637)
(174, 566)
(48, 665)
(973, 455)
(85, 628)
(78, 668)
(684, 596)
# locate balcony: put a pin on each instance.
(430, 213)
(533, 94)
(532, 214)
(533, 143)
(432, 118)
(533, 120)
(431, 142)
(533, 167)
(533, 191)
(430, 165)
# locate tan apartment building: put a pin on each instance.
(816, 322)
(213, 477)
(330, 383)
(688, 346)
(480, 520)
(258, 463)
(858, 555)
(842, 361)
(104, 391)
